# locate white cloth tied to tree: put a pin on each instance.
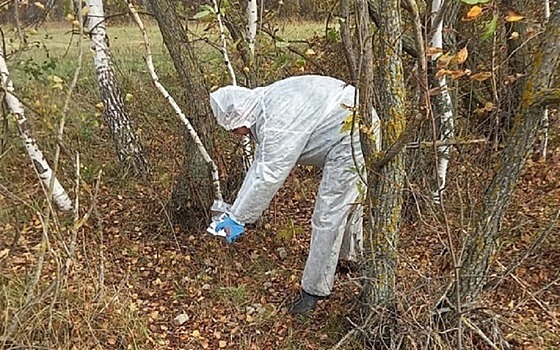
(299, 121)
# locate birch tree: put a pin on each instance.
(545, 119)
(538, 91)
(443, 106)
(128, 147)
(59, 195)
(252, 18)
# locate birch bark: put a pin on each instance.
(128, 147)
(59, 195)
(545, 119)
(252, 18)
(442, 104)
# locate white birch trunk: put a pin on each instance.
(129, 149)
(224, 43)
(444, 106)
(252, 18)
(169, 98)
(246, 140)
(59, 195)
(545, 120)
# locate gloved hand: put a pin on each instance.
(233, 229)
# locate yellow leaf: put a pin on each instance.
(443, 60)
(85, 11)
(513, 16)
(196, 333)
(432, 51)
(442, 72)
(70, 17)
(99, 105)
(57, 86)
(456, 74)
(222, 344)
(309, 52)
(128, 97)
(39, 5)
(474, 13)
(481, 76)
(461, 56)
(76, 23)
(56, 79)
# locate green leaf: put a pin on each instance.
(491, 28)
(202, 14)
(474, 2)
(281, 44)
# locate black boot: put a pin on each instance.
(305, 303)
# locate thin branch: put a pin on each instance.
(480, 333)
(548, 97)
(439, 143)
(401, 142)
(296, 51)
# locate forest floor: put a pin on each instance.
(133, 271)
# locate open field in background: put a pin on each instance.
(134, 272)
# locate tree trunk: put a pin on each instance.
(127, 144)
(443, 107)
(59, 195)
(193, 194)
(252, 19)
(385, 184)
(483, 245)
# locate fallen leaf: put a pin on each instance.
(474, 13)
(513, 16)
(481, 76)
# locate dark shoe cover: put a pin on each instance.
(305, 303)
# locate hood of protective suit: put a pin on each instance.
(235, 106)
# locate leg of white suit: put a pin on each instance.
(338, 193)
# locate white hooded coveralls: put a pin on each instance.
(299, 121)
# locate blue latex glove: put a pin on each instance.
(233, 229)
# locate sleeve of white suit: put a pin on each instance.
(276, 155)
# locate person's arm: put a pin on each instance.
(276, 155)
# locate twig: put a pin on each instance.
(401, 142)
(344, 339)
(297, 52)
(539, 303)
(439, 143)
(30, 290)
(480, 333)
(529, 251)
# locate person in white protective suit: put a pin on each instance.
(299, 121)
